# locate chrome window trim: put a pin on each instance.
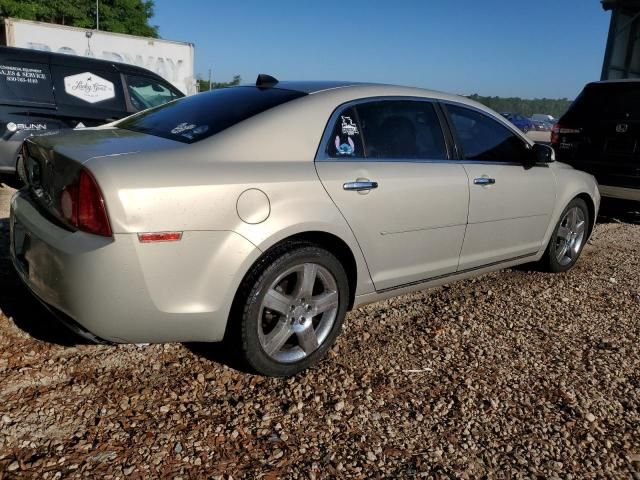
(321, 154)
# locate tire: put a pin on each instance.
(292, 305)
(568, 239)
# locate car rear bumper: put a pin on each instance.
(121, 290)
(620, 192)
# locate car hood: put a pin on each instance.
(84, 144)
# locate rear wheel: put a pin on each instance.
(568, 238)
(293, 310)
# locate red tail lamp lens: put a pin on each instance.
(82, 205)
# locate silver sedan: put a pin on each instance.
(261, 214)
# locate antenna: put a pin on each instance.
(266, 81)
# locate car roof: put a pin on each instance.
(614, 81)
(315, 86)
(68, 60)
(366, 89)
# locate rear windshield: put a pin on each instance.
(613, 101)
(195, 118)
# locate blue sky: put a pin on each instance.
(543, 48)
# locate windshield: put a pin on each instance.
(195, 118)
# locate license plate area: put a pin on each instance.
(624, 145)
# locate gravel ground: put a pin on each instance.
(515, 374)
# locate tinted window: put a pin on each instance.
(98, 89)
(483, 138)
(401, 129)
(147, 92)
(25, 82)
(346, 136)
(194, 118)
(613, 101)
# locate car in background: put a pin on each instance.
(42, 92)
(520, 121)
(541, 125)
(600, 134)
(543, 117)
(244, 214)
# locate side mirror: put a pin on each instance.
(542, 153)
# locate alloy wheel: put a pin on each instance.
(570, 236)
(298, 312)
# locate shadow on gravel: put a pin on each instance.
(10, 180)
(619, 211)
(220, 352)
(18, 303)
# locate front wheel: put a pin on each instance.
(568, 238)
(294, 307)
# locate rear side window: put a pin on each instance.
(25, 82)
(146, 92)
(483, 138)
(197, 117)
(613, 101)
(99, 89)
(401, 129)
(388, 129)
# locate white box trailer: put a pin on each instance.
(173, 61)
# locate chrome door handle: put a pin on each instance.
(484, 181)
(360, 186)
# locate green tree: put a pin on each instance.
(120, 16)
(204, 85)
(527, 107)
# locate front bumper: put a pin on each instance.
(121, 290)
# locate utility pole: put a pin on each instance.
(209, 79)
(97, 15)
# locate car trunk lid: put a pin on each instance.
(49, 163)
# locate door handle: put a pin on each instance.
(484, 181)
(359, 185)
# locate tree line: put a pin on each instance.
(527, 107)
(204, 85)
(119, 16)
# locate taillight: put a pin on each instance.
(82, 206)
(558, 130)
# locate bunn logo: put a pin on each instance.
(32, 126)
(622, 128)
(14, 127)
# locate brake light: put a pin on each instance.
(82, 206)
(558, 130)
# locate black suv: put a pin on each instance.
(42, 91)
(600, 134)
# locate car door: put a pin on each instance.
(510, 200)
(385, 163)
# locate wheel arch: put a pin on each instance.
(592, 210)
(326, 240)
(335, 245)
